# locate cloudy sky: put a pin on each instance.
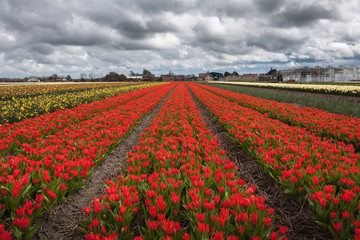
(43, 37)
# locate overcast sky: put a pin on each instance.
(42, 37)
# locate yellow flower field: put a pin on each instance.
(38, 89)
(18, 108)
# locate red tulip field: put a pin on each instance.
(176, 177)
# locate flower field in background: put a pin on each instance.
(44, 159)
(339, 127)
(317, 170)
(178, 180)
(8, 92)
(18, 108)
(329, 89)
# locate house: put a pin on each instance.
(190, 77)
(272, 75)
(209, 77)
(201, 77)
(216, 76)
(205, 77)
(134, 77)
(173, 77)
(179, 78)
(250, 75)
(167, 78)
(148, 77)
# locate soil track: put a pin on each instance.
(300, 221)
(62, 222)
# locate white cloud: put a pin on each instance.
(161, 41)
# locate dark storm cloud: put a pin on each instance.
(277, 42)
(134, 29)
(43, 49)
(269, 6)
(301, 14)
(25, 16)
(37, 36)
(158, 6)
(228, 8)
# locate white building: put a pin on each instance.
(135, 78)
(322, 74)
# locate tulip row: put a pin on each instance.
(8, 92)
(316, 170)
(316, 88)
(51, 166)
(39, 128)
(340, 127)
(180, 184)
(16, 109)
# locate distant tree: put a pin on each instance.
(122, 78)
(235, 73)
(113, 74)
(91, 75)
(112, 77)
(279, 76)
(54, 77)
(82, 75)
(147, 75)
(227, 74)
(42, 79)
(146, 72)
(68, 77)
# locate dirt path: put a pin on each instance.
(62, 222)
(300, 221)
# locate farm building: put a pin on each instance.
(205, 77)
(322, 74)
(135, 77)
(216, 76)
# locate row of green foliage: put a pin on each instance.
(333, 105)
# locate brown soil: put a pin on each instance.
(62, 222)
(299, 220)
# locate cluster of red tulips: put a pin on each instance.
(324, 124)
(178, 185)
(44, 159)
(317, 170)
(5, 235)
